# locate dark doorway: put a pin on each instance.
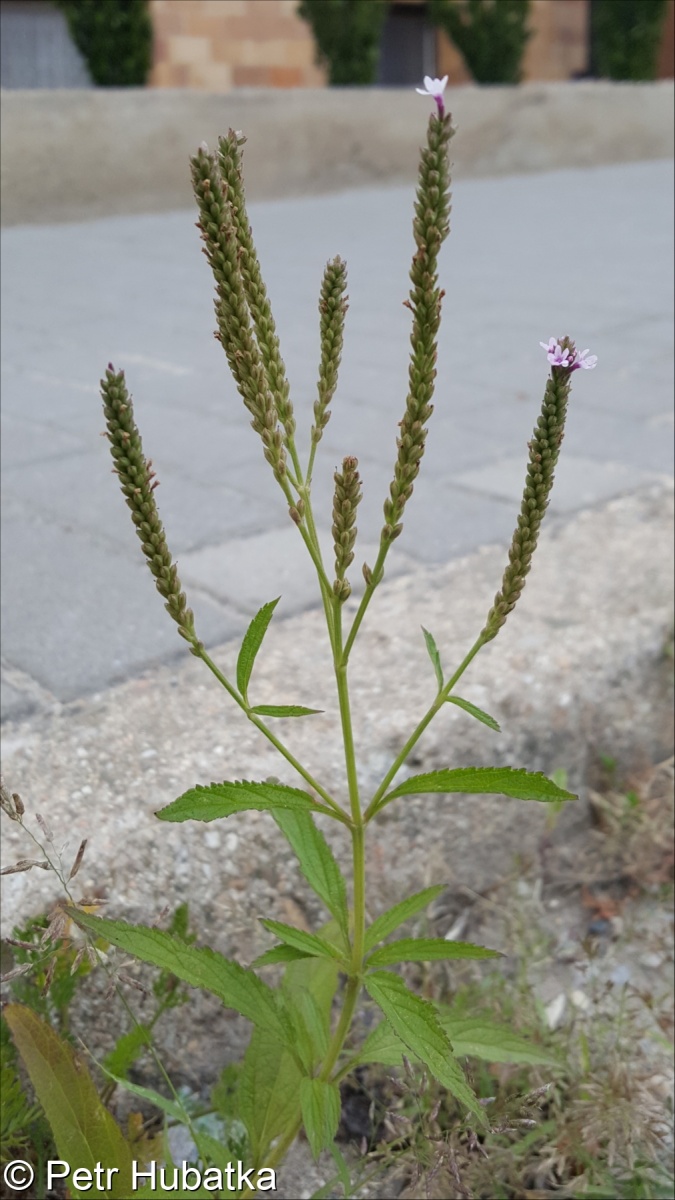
(408, 46)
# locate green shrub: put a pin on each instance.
(347, 35)
(489, 34)
(625, 37)
(115, 38)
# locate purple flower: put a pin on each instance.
(565, 354)
(435, 88)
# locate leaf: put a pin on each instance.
(309, 943)
(310, 986)
(417, 1024)
(279, 954)
(507, 781)
(475, 711)
(320, 1105)
(268, 1094)
(434, 655)
(284, 710)
(126, 1050)
(84, 1131)
(316, 862)
(479, 1037)
(383, 1046)
(385, 924)
(161, 1102)
(223, 799)
(427, 950)
(253, 639)
(201, 967)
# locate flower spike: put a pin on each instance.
(564, 354)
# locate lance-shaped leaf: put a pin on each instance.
(390, 920)
(316, 862)
(279, 954)
(434, 655)
(427, 950)
(201, 967)
(320, 1104)
(268, 1093)
(209, 803)
(284, 710)
(479, 1037)
(253, 639)
(309, 987)
(309, 943)
(84, 1131)
(471, 1037)
(505, 781)
(383, 1046)
(475, 711)
(417, 1025)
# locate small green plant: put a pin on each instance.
(305, 1039)
(115, 39)
(625, 37)
(491, 35)
(347, 35)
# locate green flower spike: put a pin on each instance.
(345, 502)
(229, 159)
(232, 311)
(431, 226)
(544, 450)
(138, 483)
(332, 309)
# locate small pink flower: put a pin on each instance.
(587, 363)
(567, 356)
(435, 88)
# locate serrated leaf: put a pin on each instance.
(416, 1023)
(284, 710)
(315, 980)
(84, 1131)
(253, 639)
(309, 943)
(201, 967)
(475, 711)
(320, 1105)
(434, 655)
(479, 1037)
(279, 954)
(506, 781)
(390, 920)
(385, 1047)
(427, 950)
(268, 1093)
(316, 862)
(216, 800)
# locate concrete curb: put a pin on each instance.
(72, 155)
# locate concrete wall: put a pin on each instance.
(73, 155)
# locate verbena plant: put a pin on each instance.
(298, 1052)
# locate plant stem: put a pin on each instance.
(365, 600)
(428, 717)
(335, 808)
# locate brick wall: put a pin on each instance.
(221, 44)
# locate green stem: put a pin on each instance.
(335, 808)
(428, 717)
(365, 600)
